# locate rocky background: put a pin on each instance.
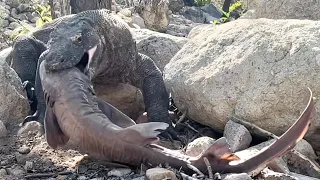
(253, 67)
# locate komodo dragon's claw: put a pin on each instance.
(30, 118)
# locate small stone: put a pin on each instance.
(82, 178)
(20, 158)
(199, 145)
(4, 162)
(24, 8)
(241, 176)
(159, 174)
(12, 3)
(136, 19)
(28, 166)
(4, 23)
(16, 170)
(3, 130)
(24, 150)
(3, 172)
(268, 174)
(119, 172)
(31, 127)
(14, 13)
(14, 25)
(127, 12)
(237, 136)
(61, 177)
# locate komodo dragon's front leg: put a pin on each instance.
(25, 55)
(155, 95)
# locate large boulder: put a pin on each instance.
(285, 9)
(14, 104)
(257, 70)
(159, 47)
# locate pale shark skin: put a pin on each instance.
(75, 113)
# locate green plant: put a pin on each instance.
(44, 13)
(226, 16)
(45, 16)
(202, 2)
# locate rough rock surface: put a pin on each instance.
(158, 46)
(257, 71)
(285, 9)
(3, 130)
(198, 146)
(159, 174)
(14, 103)
(240, 176)
(125, 97)
(155, 14)
(237, 136)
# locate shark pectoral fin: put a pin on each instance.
(144, 133)
(54, 136)
(114, 114)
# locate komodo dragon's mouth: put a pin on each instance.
(86, 59)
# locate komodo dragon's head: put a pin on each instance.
(72, 42)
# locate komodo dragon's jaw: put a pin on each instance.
(70, 43)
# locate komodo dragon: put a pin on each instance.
(74, 113)
(66, 40)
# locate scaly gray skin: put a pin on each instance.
(75, 114)
(65, 41)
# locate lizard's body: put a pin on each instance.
(65, 41)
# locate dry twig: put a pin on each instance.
(43, 175)
(195, 170)
(206, 161)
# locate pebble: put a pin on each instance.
(21, 159)
(199, 145)
(159, 174)
(3, 172)
(16, 170)
(24, 150)
(119, 172)
(82, 178)
(237, 136)
(28, 166)
(3, 130)
(30, 126)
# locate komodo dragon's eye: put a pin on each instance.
(77, 38)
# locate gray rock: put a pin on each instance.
(22, 17)
(14, 13)
(199, 145)
(16, 170)
(4, 13)
(254, 72)
(119, 172)
(24, 150)
(20, 158)
(28, 166)
(155, 14)
(3, 172)
(3, 130)
(22, 8)
(14, 103)
(82, 178)
(240, 176)
(14, 25)
(158, 46)
(127, 98)
(176, 5)
(159, 174)
(180, 26)
(286, 9)
(300, 164)
(268, 174)
(12, 3)
(136, 19)
(306, 149)
(237, 136)
(194, 14)
(31, 127)
(212, 10)
(4, 23)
